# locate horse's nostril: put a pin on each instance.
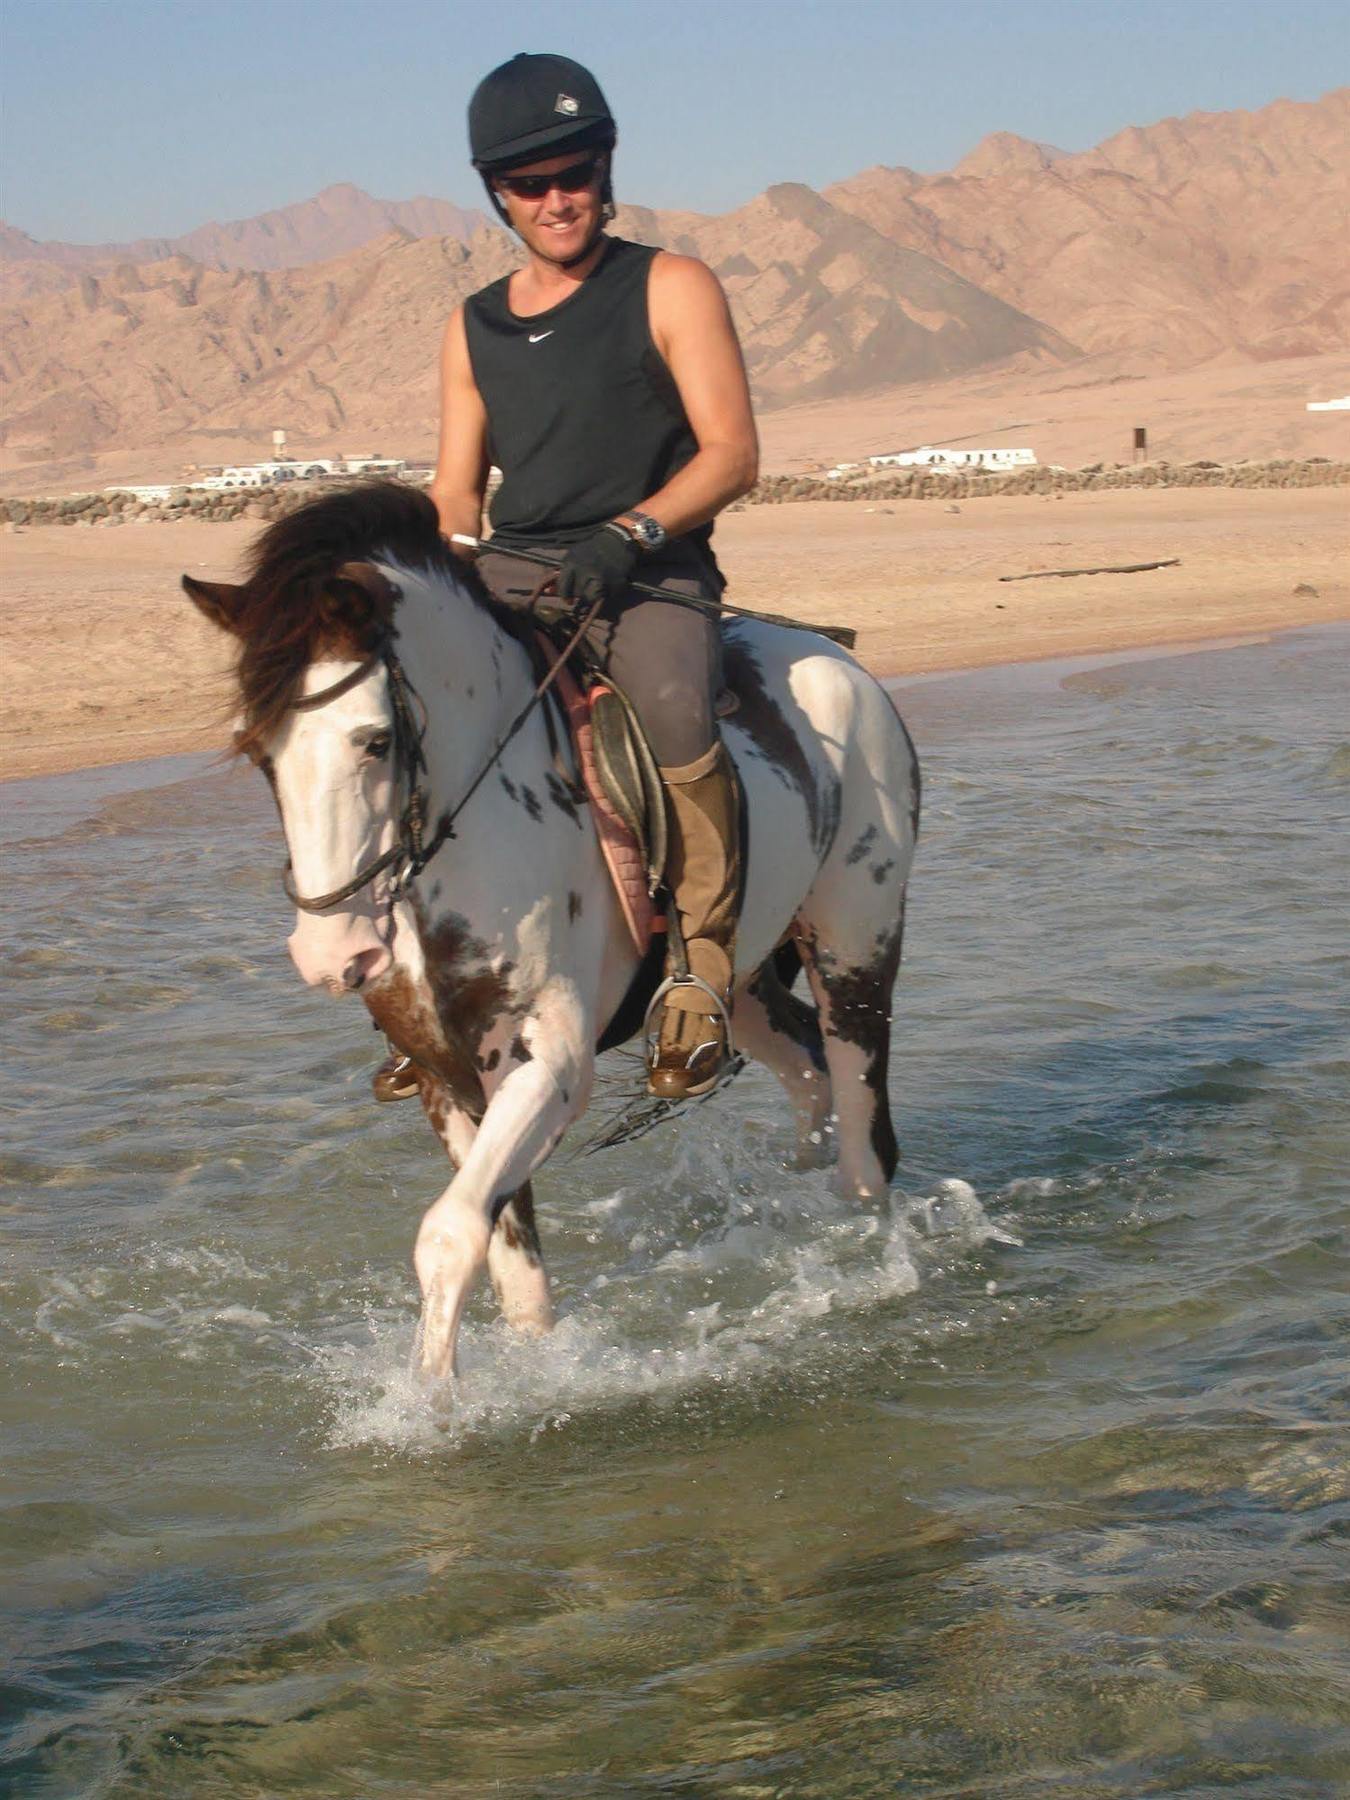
(363, 967)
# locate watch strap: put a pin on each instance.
(648, 533)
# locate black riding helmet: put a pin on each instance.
(532, 107)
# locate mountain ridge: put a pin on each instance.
(1208, 238)
(339, 219)
(1197, 236)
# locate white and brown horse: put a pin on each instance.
(459, 888)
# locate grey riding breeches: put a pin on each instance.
(667, 658)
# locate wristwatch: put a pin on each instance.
(646, 532)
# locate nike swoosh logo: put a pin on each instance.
(537, 337)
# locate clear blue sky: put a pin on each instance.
(127, 118)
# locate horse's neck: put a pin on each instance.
(472, 676)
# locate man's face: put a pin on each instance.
(558, 225)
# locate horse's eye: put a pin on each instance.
(378, 747)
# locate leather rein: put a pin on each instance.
(413, 850)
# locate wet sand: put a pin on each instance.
(105, 661)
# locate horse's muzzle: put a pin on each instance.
(342, 952)
(365, 967)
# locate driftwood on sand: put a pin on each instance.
(1168, 562)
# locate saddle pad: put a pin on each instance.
(618, 841)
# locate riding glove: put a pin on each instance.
(600, 567)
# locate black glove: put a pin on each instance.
(600, 567)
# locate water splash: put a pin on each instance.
(732, 1306)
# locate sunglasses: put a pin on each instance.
(570, 180)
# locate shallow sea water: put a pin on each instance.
(1036, 1486)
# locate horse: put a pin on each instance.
(446, 867)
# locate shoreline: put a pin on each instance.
(107, 663)
(1072, 662)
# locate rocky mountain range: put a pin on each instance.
(1211, 236)
(335, 222)
(1217, 233)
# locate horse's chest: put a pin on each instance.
(454, 1009)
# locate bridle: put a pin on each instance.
(413, 850)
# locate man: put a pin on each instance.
(606, 380)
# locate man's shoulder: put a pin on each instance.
(677, 269)
(679, 280)
(671, 263)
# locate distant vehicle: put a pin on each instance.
(372, 465)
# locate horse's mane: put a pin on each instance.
(293, 608)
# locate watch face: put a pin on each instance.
(651, 533)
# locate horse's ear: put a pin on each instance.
(219, 600)
(382, 594)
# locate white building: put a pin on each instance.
(926, 457)
(251, 475)
(286, 469)
(152, 494)
(1342, 405)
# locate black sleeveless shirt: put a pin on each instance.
(584, 418)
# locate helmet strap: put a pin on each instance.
(496, 200)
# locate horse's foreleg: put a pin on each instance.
(515, 1261)
(783, 1033)
(516, 1265)
(528, 1113)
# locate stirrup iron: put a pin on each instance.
(689, 979)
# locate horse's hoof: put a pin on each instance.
(811, 1157)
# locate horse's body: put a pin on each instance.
(500, 968)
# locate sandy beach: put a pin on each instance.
(106, 662)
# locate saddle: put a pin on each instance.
(624, 787)
(626, 795)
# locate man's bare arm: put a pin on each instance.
(462, 461)
(693, 330)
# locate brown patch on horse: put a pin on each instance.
(470, 994)
(438, 1104)
(404, 1011)
(520, 1232)
(443, 1022)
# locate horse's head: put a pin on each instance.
(321, 718)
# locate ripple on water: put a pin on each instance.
(65, 1020)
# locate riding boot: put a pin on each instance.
(395, 1079)
(703, 870)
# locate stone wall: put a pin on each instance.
(924, 484)
(265, 504)
(262, 504)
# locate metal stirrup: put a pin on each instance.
(689, 980)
